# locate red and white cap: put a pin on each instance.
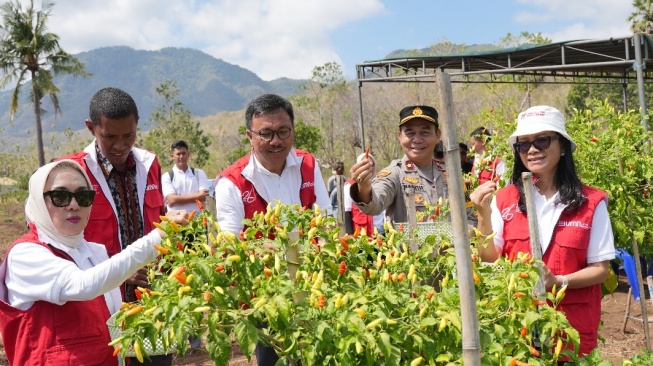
(538, 119)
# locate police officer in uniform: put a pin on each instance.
(419, 134)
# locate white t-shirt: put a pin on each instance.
(184, 183)
(601, 246)
(230, 211)
(33, 273)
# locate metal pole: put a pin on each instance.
(470, 337)
(639, 66)
(360, 114)
(533, 228)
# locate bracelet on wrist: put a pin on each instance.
(564, 279)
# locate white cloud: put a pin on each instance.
(272, 38)
(594, 19)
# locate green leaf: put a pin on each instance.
(246, 336)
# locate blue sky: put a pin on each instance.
(287, 38)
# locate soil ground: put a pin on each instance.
(617, 346)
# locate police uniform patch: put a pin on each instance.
(383, 173)
(411, 180)
(410, 165)
(419, 199)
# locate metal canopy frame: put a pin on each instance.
(608, 61)
(612, 58)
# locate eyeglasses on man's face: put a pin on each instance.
(61, 198)
(540, 143)
(267, 135)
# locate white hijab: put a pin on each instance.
(36, 209)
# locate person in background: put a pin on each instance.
(274, 170)
(486, 166)
(574, 226)
(338, 170)
(466, 161)
(182, 185)
(438, 153)
(127, 181)
(53, 270)
(337, 179)
(354, 218)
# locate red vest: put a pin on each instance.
(102, 226)
(47, 334)
(567, 253)
(256, 203)
(359, 219)
(488, 173)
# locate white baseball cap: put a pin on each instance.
(539, 119)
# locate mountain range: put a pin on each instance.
(207, 86)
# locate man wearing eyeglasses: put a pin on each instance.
(273, 171)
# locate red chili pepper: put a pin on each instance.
(199, 204)
(535, 352)
(518, 294)
(219, 268)
(161, 249)
(241, 235)
(524, 331)
(367, 153)
(180, 246)
(139, 294)
(343, 241)
(204, 221)
(343, 268)
(181, 278)
(116, 351)
(206, 295)
(321, 301)
(594, 139)
(401, 277)
(523, 275)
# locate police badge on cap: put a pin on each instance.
(418, 111)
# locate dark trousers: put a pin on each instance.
(161, 360)
(265, 356)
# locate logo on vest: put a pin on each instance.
(151, 187)
(578, 224)
(248, 197)
(307, 185)
(416, 188)
(506, 213)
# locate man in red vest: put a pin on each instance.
(273, 171)
(127, 182)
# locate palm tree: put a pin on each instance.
(641, 20)
(29, 52)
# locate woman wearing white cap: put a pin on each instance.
(574, 227)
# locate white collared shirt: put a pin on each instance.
(33, 273)
(184, 183)
(271, 187)
(601, 245)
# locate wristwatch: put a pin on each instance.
(564, 279)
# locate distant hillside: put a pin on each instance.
(207, 86)
(442, 49)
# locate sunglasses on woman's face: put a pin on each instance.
(539, 143)
(63, 198)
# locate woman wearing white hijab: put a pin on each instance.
(57, 289)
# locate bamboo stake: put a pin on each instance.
(470, 338)
(533, 228)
